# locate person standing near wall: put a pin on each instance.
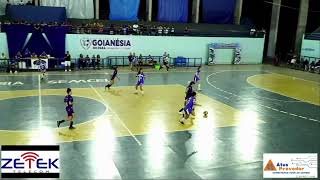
(67, 62)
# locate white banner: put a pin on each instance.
(294, 165)
(30, 162)
(78, 9)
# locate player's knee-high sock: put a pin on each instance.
(71, 124)
(199, 86)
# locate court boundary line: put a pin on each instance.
(116, 115)
(40, 101)
(240, 97)
(265, 89)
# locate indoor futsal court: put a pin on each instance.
(252, 109)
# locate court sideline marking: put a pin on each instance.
(116, 115)
(240, 97)
(40, 101)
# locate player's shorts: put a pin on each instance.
(69, 111)
(67, 63)
(140, 83)
(196, 79)
(187, 111)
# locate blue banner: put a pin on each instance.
(173, 10)
(126, 10)
(27, 39)
(37, 13)
(218, 11)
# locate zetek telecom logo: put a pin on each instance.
(30, 161)
(296, 165)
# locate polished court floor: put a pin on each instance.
(253, 109)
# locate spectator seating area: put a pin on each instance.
(147, 28)
(304, 63)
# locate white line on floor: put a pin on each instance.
(274, 109)
(116, 116)
(40, 101)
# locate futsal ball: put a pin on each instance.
(205, 114)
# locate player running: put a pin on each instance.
(189, 91)
(196, 78)
(69, 108)
(189, 107)
(114, 75)
(141, 76)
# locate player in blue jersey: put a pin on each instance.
(113, 76)
(196, 78)
(189, 91)
(43, 68)
(140, 82)
(69, 108)
(189, 107)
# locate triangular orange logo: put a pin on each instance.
(270, 166)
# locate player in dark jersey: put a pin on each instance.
(69, 108)
(113, 76)
(189, 107)
(189, 91)
(140, 81)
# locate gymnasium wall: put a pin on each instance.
(3, 44)
(192, 47)
(310, 48)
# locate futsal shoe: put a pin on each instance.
(65, 70)
(58, 123)
(181, 121)
(72, 127)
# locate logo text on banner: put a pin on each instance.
(105, 43)
(286, 165)
(30, 161)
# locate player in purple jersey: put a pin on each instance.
(189, 108)
(196, 78)
(140, 82)
(69, 108)
(113, 76)
(189, 91)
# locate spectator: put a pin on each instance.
(172, 31)
(317, 67)
(312, 66)
(34, 56)
(140, 61)
(150, 61)
(98, 61)
(166, 31)
(186, 31)
(134, 61)
(3, 60)
(293, 61)
(130, 58)
(81, 62)
(29, 3)
(21, 3)
(87, 61)
(67, 62)
(306, 65)
(160, 29)
(93, 61)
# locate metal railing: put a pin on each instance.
(57, 64)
